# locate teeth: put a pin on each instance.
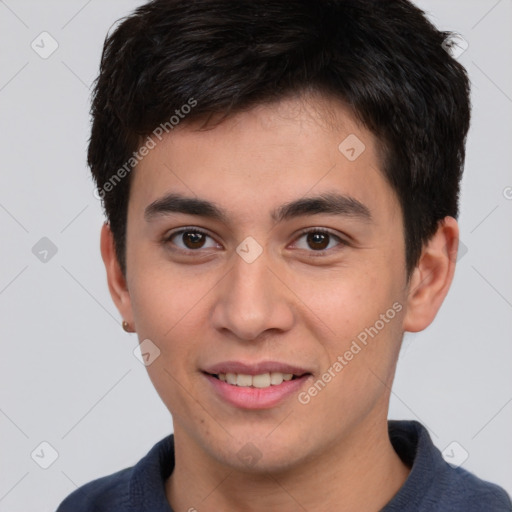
(276, 378)
(243, 380)
(264, 380)
(261, 381)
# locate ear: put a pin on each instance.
(432, 277)
(115, 278)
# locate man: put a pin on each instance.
(281, 184)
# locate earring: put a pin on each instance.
(126, 326)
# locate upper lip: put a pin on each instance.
(255, 368)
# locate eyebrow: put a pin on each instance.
(328, 203)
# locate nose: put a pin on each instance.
(252, 300)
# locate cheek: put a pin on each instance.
(169, 313)
(163, 295)
(359, 368)
(344, 301)
(356, 317)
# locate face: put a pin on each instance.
(259, 249)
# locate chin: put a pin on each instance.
(261, 452)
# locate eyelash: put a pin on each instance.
(341, 243)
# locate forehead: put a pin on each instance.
(259, 159)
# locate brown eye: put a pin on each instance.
(190, 239)
(317, 240)
(193, 239)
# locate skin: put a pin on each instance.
(290, 305)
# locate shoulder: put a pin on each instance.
(107, 493)
(434, 485)
(465, 491)
(135, 488)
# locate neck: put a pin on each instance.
(362, 472)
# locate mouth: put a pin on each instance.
(257, 386)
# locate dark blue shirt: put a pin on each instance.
(432, 485)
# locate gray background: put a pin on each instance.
(67, 372)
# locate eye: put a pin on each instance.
(318, 240)
(191, 239)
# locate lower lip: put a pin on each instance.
(256, 398)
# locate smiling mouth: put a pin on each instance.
(260, 381)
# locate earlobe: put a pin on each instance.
(115, 278)
(432, 277)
